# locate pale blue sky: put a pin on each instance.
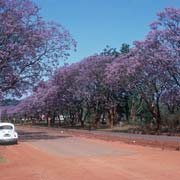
(97, 23)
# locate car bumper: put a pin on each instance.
(9, 140)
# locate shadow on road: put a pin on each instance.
(25, 136)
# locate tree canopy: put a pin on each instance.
(29, 46)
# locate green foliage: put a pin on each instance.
(109, 51)
(124, 48)
(4, 115)
(8, 102)
(172, 120)
(2, 160)
(139, 112)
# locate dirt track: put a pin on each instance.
(43, 155)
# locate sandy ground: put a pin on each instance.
(47, 155)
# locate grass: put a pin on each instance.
(2, 160)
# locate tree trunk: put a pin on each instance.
(111, 117)
(80, 117)
(49, 119)
(32, 120)
(133, 113)
(103, 118)
(53, 119)
(154, 109)
(72, 118)
(158, 114)
(97, 120)
(59, 120)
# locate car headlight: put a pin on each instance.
(15, 135)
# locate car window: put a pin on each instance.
(6, 127)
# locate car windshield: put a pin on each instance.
(6, 127)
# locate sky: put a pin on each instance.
(97, 23)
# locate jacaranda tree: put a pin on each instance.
(152, 67)
(29, 46)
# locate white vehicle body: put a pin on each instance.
(8, 133)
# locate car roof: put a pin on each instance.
(6, 124)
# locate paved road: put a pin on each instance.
(162, 138)
(164, 142)
(67, 145)
(129, 135)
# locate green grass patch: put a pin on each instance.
(2, 160)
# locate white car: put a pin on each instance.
(8, 133)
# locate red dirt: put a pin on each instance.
(27, 161)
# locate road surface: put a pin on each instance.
(47, 155)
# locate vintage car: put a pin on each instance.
(8, 133)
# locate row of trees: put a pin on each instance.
(141, 84)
